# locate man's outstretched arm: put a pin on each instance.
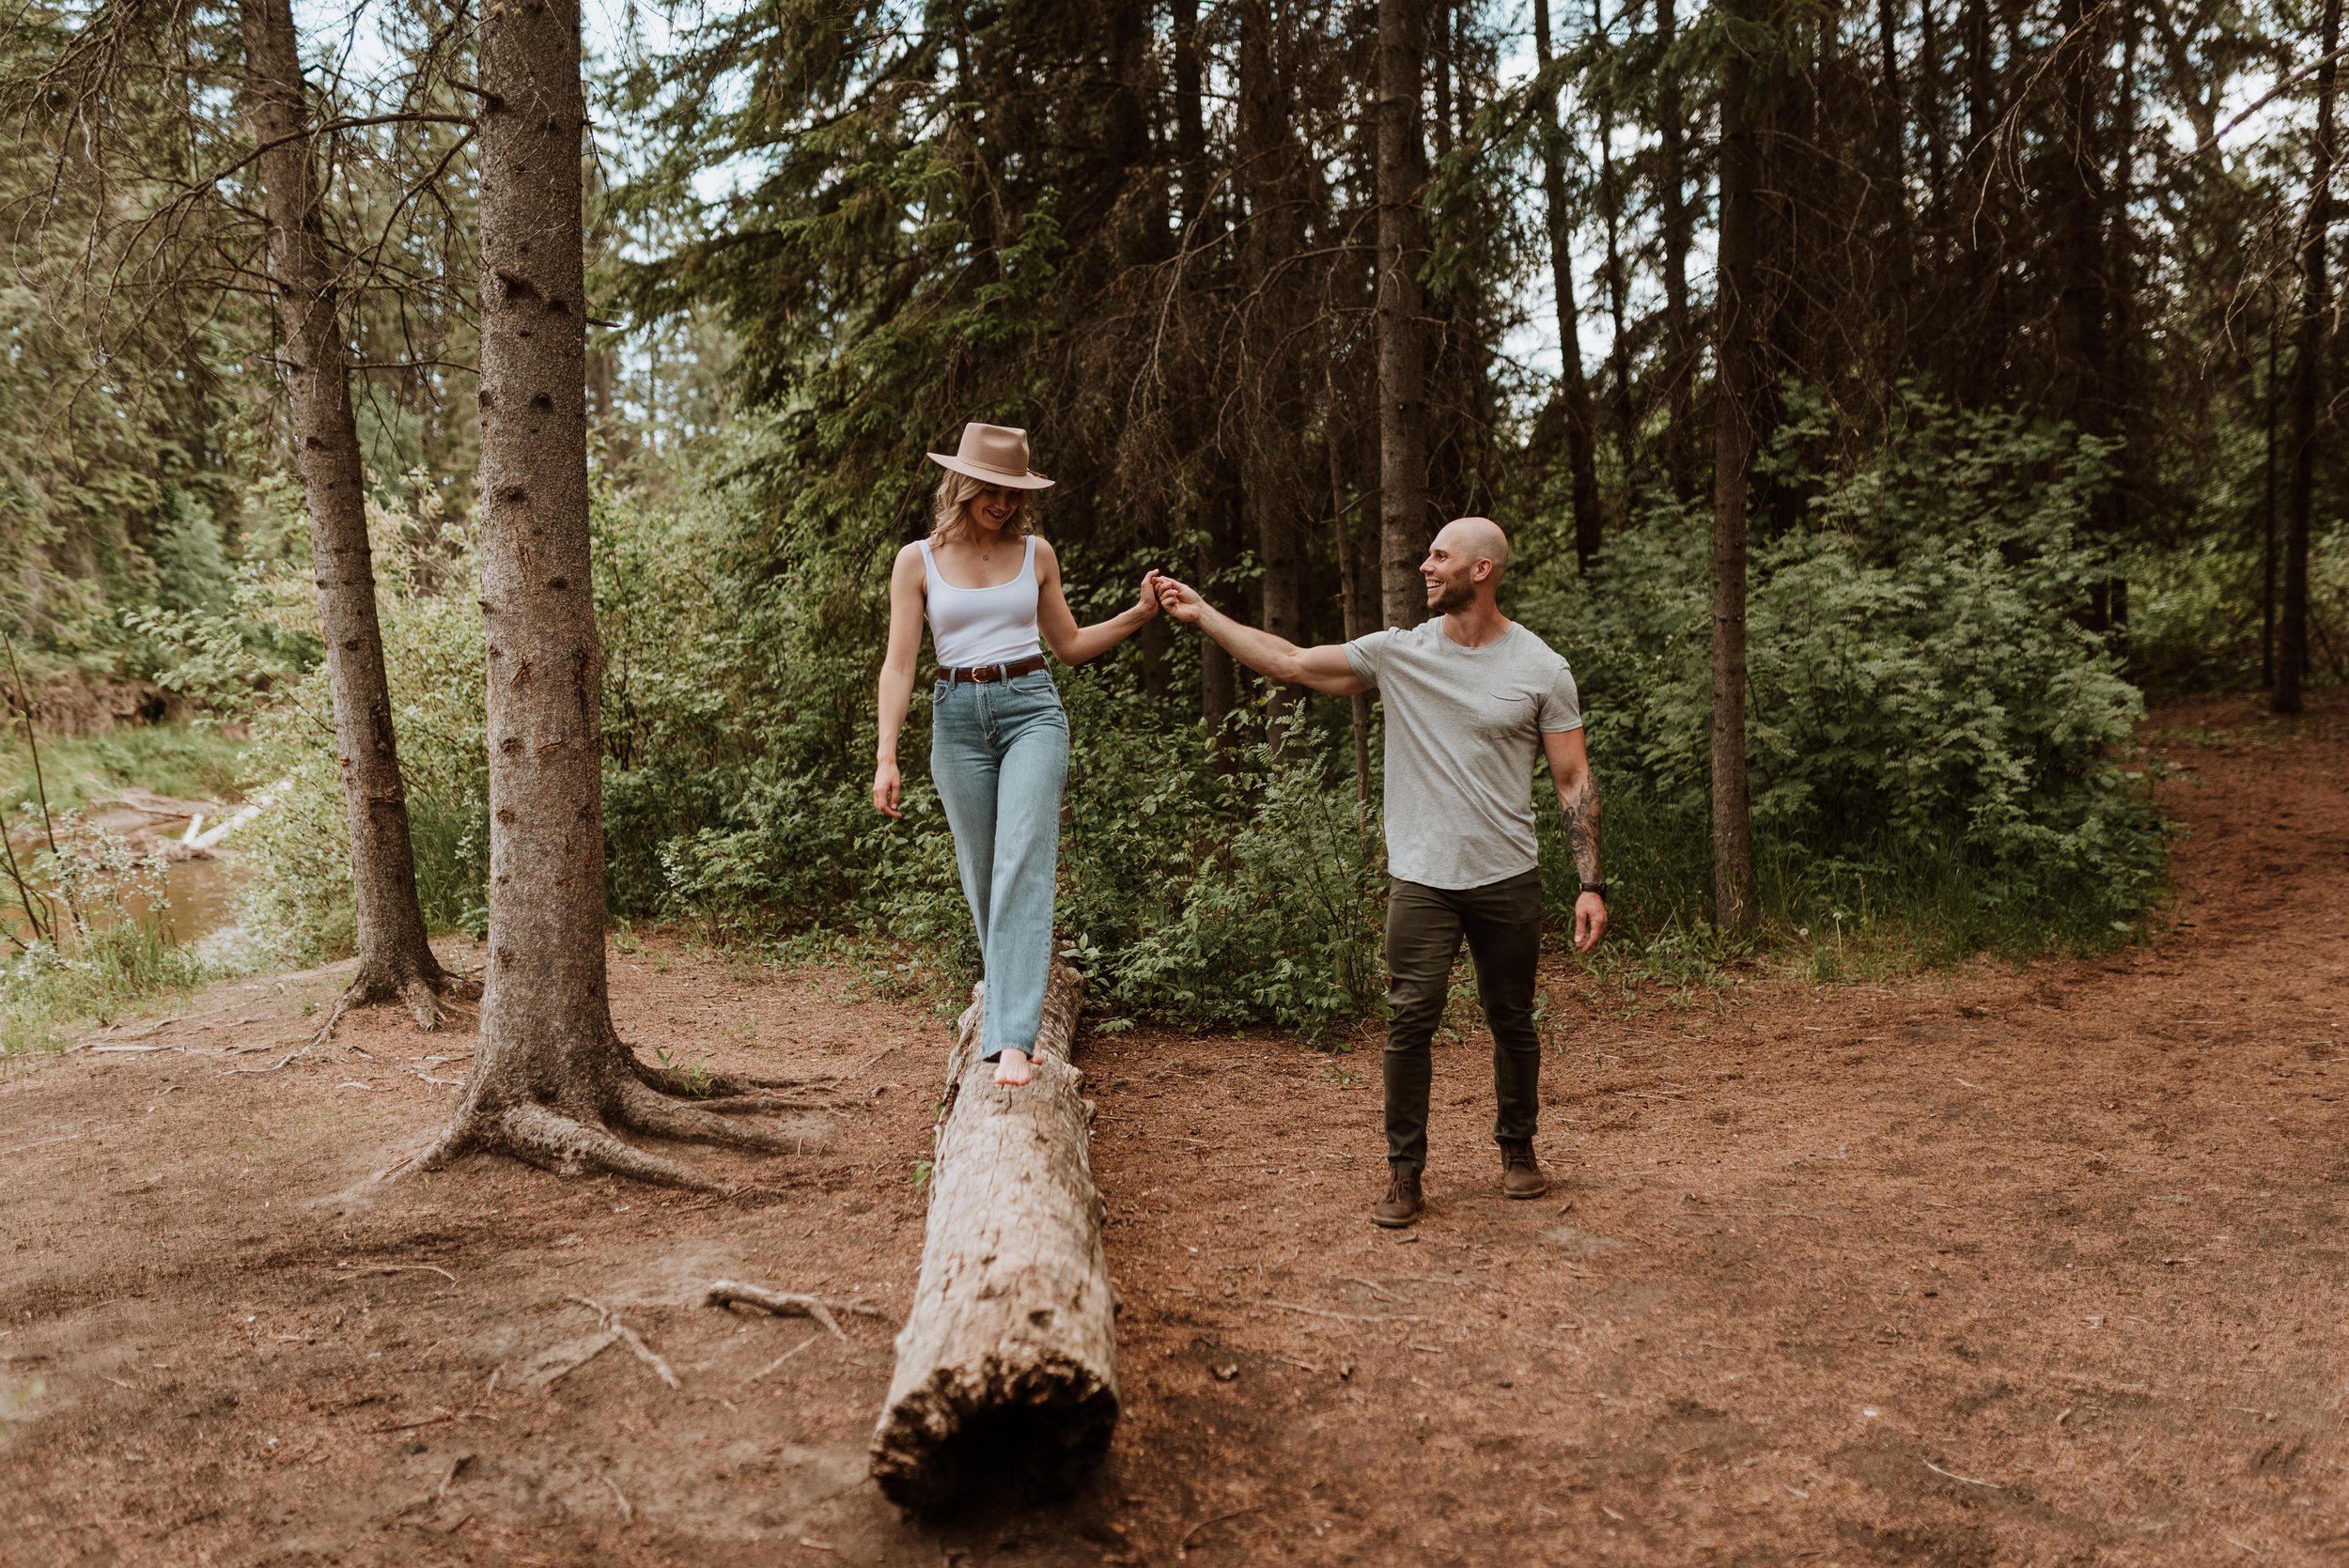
(1324, 668)
(1570, 757)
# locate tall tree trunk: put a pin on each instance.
(2307, 378)
(551, 1075)
(1352, 611)
(1574, 383)
(1439, 55)
(394, 959)
(1936, 136)
(2121, 276)
(1270, 177)
(1679, 341)
(2078, 196)
(1892, 174)
(1618, 274)
(1739, 314)
(1219, 677)
(1979, 354)
(2268, 516)
(1146, 243)
(1403, 520)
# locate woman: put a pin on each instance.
(999, 740)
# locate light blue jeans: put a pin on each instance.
(999, 754)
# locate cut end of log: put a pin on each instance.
(1037, 1428)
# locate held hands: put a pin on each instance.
(1180, 601)
(885, 784)
(1148, 604)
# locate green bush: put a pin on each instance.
(298, 903)
(1938, 751)
(1926, 715)
(105, 910)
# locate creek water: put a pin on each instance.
(199, 892)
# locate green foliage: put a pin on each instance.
(192, 761)
(299, 902)
(105, 937)
(1938, 751)
(1926, 717)
(1273, 908)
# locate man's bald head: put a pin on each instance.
(1478, 539)
(1466, 558)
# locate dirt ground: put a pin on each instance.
(2004, 1266)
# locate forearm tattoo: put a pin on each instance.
(1581, 804)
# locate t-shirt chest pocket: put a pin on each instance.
(1504, 712)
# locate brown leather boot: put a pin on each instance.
(1521, 1174)
(1402, 1205)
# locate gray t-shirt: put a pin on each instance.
(1464, 730)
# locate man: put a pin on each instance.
(1470, 700)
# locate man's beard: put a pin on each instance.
(1452, 597)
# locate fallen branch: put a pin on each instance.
(651, 1356)
(1967, 1479)
(433, 1419)
(240, 1072)
(634, 1340)
(594, 1348)
(1182, 1547)
(778, 1360)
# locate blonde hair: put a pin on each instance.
(950, 508)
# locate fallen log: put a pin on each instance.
(1007, 1368)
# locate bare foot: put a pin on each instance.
(1011, 1068)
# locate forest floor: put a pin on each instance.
(2001, 1265)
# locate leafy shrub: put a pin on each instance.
(105, 910)
(299, 901)
(1926, 711)
(1936, 743)
(1275, 908)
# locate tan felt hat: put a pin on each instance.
(995, 454)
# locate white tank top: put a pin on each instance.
(971, 627)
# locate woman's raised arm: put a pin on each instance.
(1070, 642)
(896, 673)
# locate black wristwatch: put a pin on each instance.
(1599, 888)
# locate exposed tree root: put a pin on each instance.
(423, 993)
(556, 1142)
(751, 1105)
(643, 1109)
(661, 1102)
(732, 1293)
(694, 1085)
(630, 1338)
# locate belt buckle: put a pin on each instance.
(984, 674)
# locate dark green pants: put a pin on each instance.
(1503, 923)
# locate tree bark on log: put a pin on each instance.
(1007, 1367)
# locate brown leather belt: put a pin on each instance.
(982, 674)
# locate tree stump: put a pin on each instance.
(1007, 1367)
